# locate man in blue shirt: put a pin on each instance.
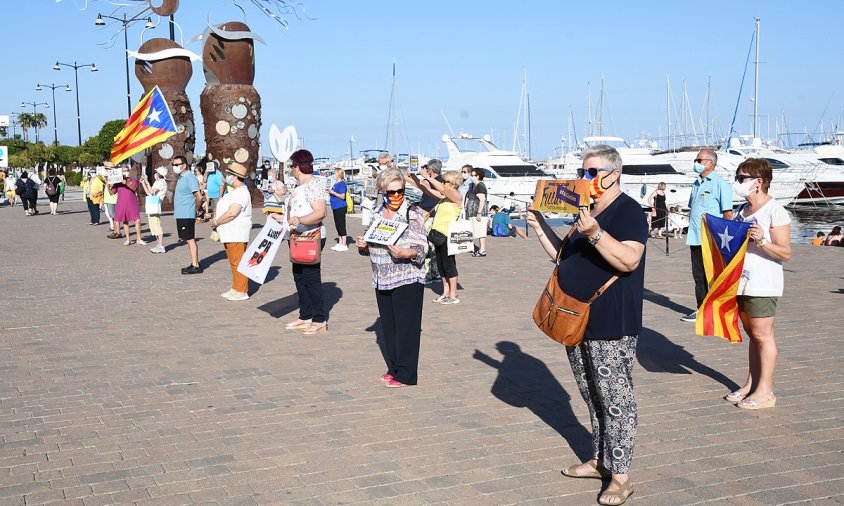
(213, 187)
(710, 194)
(502, 226)
(186, 202)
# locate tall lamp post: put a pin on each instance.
(75, 67)
(53, 87)
(126, 22)
(35, 113)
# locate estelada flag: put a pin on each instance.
(149, 124)
(723, 244)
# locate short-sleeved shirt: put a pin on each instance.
(501, 224)
(337, 202)
(239, 228)
(301, 202)
(428, 202)
(762, 275)
(473, 201)
(712, 195)
(159, 187)
(184, 202)
(582, 271)
(214, 181)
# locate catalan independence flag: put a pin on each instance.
(149, 124)
(723, 244)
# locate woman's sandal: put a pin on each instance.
(769, 402)
(297, 324)
(440, 298)
(596, 472)
(315, 328)
(114, 236)
(618, 497)
(736, 396)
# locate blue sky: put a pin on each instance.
(330, 76)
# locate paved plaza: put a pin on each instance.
(122, 381)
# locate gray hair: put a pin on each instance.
(383, 157)
(606, 153)
(711, 153)
(435, 165)
(387, 176)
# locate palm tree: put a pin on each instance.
(39, 121)
(25, 122)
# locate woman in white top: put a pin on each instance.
(761, 279)
(158, 189)
(233, 221)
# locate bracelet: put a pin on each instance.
(597, 237)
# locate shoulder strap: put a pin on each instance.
(602, 289)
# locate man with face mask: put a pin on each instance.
(710, 194)
(187, 200)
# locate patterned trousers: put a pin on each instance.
(603, 371)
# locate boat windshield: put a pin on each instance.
(646, 169)
(517, 170)
(832, 161)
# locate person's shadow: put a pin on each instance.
(667, 303)
(656, 353)
(331, 294)
(525, 381)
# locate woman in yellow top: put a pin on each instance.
(92, 191)
(446, 211)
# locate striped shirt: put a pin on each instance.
(389, 272)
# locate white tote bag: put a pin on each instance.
(152, 204)
(460, 236)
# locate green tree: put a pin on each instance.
(21, 159)
(67, 155)
(39, 121)
(102, 143)
(41, 153)
(89, 159)
(25, 121)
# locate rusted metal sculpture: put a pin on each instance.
(167, 7)
(166, 64)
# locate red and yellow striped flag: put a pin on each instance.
(723, 245)
(149, 124)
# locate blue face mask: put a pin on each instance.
(698, 168)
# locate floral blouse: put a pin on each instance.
(389, 272)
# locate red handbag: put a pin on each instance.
(306, 248)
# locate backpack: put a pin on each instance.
(51, 188)
(20, 188)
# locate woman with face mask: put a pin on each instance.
(158, 189)
(761, 280)
(233, 221)
(447, 210)
(398, 276)
(127, 210)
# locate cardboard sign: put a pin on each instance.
(384, 231)
(561, 196)
(369, 188)
(114, 176)
(256, 261)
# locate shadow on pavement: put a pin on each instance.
(656, 353)
(662, 300)
(278, 308)
(524, 381)
(379, 337)
(213, 259)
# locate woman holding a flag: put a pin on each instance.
(761, 280)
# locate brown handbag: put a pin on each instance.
(559, 315)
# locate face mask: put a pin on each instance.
(596, 188)
(743, 189)
(177, 170)
(125, 175)
(698, 168)
(229, 180)
(393, 202)
(465, 176)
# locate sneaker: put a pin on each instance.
(128, 242)
(141, 242)
(336, 247)
(341, 247)
(238, 296)
(192, 269)
(479, 253)
(228, 293)
(394, 384)
(158, 249)
(691, 317)
(386, 377)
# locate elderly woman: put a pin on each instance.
(338, 208)
(233, 221)
(447, 211)
(762, 279)
(398, 276)
(607, 241)
(127, 209)
(306, 210)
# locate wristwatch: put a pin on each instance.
(597, 237)
(761, 242)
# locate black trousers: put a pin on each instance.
(401, 321)
(308, 279)
(94, 211)
(30, 203)
(340, 220)
(699, 274)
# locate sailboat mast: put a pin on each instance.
(390, 140)
(527, 123)
(756, 85)
(668, 107)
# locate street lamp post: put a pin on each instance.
(53, 87)
(75, 67)
(35, 113)
(126, 22)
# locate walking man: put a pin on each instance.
(187, 200)
(710, 194)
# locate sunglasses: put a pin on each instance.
(741, 177)
(590, 174)
(701, 160)
(395, 192)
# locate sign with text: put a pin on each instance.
(114, 176)
(4, 157)
(256, 261)
(561, 195)
(384, 231)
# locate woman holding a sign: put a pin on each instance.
(447, 211)
(127, 210)
(157, 191)
(398, 276)
(233, 221)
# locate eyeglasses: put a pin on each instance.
(741, 177)
(176, 164)
(590, 174)
(701, 160)
(400, 191)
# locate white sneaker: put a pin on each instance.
(238, 296)
(228, 293)
(341, 247)
(335, 247)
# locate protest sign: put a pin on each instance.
(369, 188)
(255, 263)
(384, 231)
(561, 195)
(114, 176)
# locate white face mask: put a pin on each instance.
(177, 170)
(229, 180)
(743, 189)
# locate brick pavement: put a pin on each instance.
(124, 382)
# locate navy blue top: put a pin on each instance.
(582, 271)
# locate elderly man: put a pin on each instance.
(604, 254)
(710, 194)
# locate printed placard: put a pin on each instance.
(114, 176)
(564, 196)
(256, 261)
(384, 231)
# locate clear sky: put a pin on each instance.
(330, 75)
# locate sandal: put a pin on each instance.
(441, 298)
(736, 396)
(315, 328)
(619, 497)
(769, 402)
(596, 472)
(297, 324)
(114, 235)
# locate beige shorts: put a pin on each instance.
(757, 307)
(479, 228)
(155, 226)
